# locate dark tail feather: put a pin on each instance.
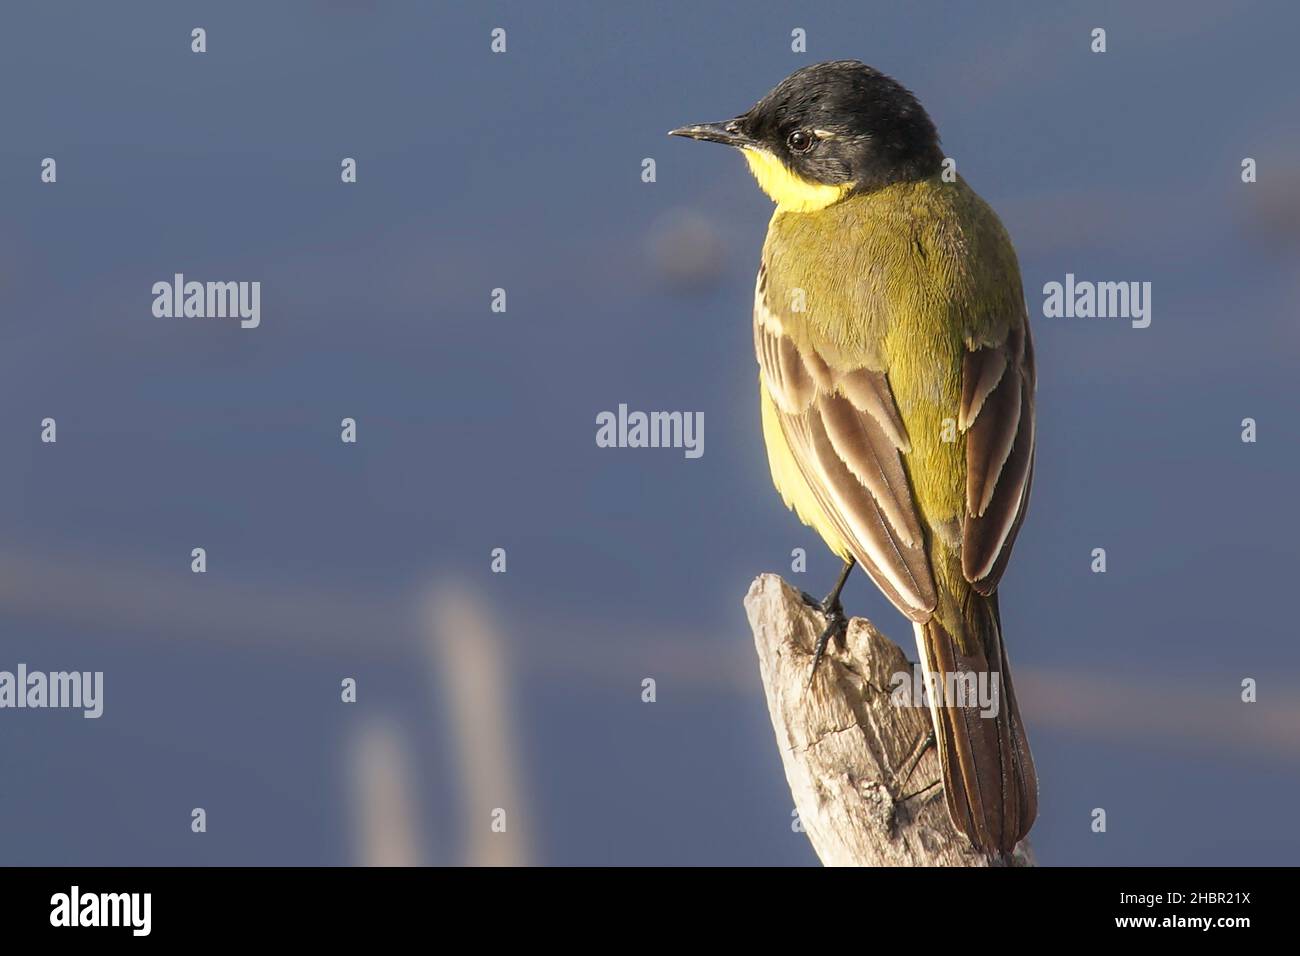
(988, 773)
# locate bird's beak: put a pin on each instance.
(728, 133)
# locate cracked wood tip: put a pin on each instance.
(849, 752)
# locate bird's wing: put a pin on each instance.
(846, 436)
(997, 414)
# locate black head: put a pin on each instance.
(836, 124)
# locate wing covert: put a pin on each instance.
(847, 437)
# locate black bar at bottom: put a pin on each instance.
(613, 905)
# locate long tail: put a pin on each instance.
(988, 774)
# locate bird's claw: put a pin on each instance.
(837, 627)
(837, 624)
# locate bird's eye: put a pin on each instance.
(800, 141)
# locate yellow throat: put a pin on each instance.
(790, 192)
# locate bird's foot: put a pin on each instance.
(837, 625)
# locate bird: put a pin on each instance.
(896, 392)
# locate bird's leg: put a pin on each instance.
(837, 624)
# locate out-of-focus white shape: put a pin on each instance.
(469, 662)
(384, 828)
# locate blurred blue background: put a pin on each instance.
(476, 429)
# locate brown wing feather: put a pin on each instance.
(998, 409)
(846, 435)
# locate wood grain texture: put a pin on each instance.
(849, 751)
